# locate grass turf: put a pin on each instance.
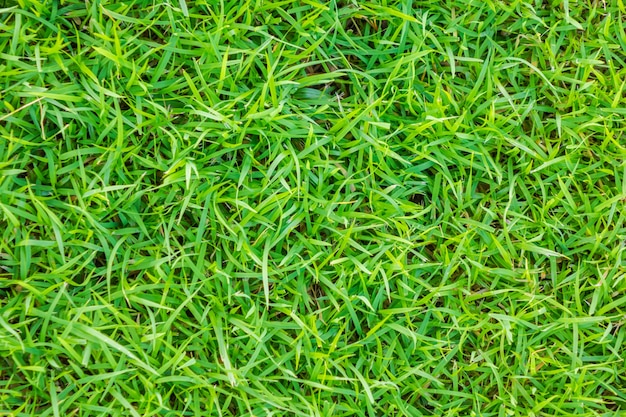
(238, 208)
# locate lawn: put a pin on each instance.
(312, 208)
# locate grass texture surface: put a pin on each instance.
(306, 208)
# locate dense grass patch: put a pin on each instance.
(250, 208)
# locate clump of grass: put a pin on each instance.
(312, 208)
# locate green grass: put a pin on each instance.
(305, 208)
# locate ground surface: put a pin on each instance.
(386, 208)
